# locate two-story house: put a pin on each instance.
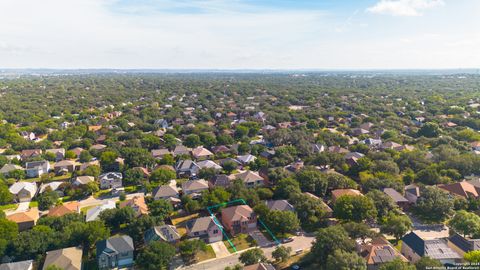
(111, 180)
(239, 219)
(37, 168)
(204, 228)
(115, 252)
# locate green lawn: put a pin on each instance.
(180, 221)
(101, 193)
(12, 206)
(241, 242)
(205, 255)
(33, 204)
(398, 246)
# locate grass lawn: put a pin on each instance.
(33, 204)
(241, 242)
(12, 206)
(205, 255)
(86, 208)
(294, 259)
(101, 193)
(180, 221)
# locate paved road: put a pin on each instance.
(299, 242)
(91, 201)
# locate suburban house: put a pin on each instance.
(115, 252)
(63, 167)
(52, 186)
(7, 168)
(77, 151)
(138, 205)
(167, 192)
(67, 258)
(23, 191)
(93, 213)
(181, 150)
(194, 188)
(239, 219)
(111, 180)
(160, 153)
(22, 265)
(63, 209)
(246, 159)
(37, 168)
(398, 198)
(462, 189)
(208, 164)
(200, 153)
(352, 158)
(59, 153)
(186, 168)
(259, 266)
(30, 153)
(220, 180)
(83, 180)
(279, 205)
(414, 247)
(204, 228)
(412, 193)
(30, 136)
(337, 193)
(462, 245)
(376, 252)
(250, 178)
(25, 220)
(167, 233)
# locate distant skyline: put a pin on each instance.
(240, 34)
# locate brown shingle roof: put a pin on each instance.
(239, 212)
(66, 208)
(463, 189)
(30, 215)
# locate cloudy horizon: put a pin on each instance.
(240, 34)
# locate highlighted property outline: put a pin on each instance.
(217, 222)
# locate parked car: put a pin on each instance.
(287, 240)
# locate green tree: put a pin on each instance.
(397, 264)
(162, 175)
(281, 253)
(47, 199)
(330, 239)
(160, 209)
(383, 203)
(429, 130)
(426, 263)
(5, 195)
(192, 140)
(157, 255)
(396, 225)
(344, 260)
(189, 248)
(472, 256)
(252, 256)
(465, 223)
(354, 208)
(434, 204)
(85, 156)
(282, 221)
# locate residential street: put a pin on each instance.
(299, 242)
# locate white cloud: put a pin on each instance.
(404, 7)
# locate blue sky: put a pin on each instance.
(237, 34)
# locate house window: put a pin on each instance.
(195, 233)
(215, 231)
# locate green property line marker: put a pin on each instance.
(217, 222)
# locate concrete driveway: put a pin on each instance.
(220, 249)
(261, 240)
